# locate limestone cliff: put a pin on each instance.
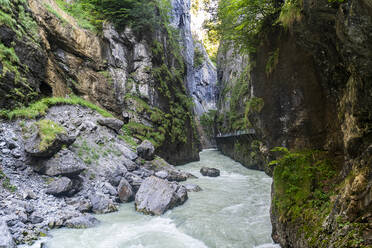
(126, 74)
(308, 88)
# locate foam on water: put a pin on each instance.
(232, 211)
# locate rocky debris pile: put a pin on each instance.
(6, 239)
(91, 173)
(210, 172)
(156, 195)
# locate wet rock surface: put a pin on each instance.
(210, 172)
(92, 175)
(155, 196)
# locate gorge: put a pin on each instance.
(102, 101)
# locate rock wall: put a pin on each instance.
(117, 71)
(314, 80)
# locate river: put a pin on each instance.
(232, 211)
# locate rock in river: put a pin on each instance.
(81, 222)
(210, 172)
(155, 196)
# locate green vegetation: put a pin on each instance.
(290, 13)
(241, 20)
(48, 131)
(140, 15)
(39, 108)
(54, 12)
(301, 178)
(272, 62)
(198, 57)
(128, 137)
(302, 186)
(80, 11)
(6, 182)
(207, 122)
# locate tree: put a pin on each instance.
(241, 20)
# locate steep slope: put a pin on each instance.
(307, 88)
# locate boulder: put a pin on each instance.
(125, 151)
(125, 191)
(155, 196)
(6, 239)
(35, 219)
(112, 123)
(32, 145)
(146, 150)
(176, 175)
(82, 222)
(192, 188)
(102, 204)
(129, 164)
(134, 180)
(163, 174)
(210, 172)
(64, 163)
(60, 187)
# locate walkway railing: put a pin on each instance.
(236, 133)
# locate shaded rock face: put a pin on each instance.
(60, 187)
(315, 97)
(155, 196)
(64, 163)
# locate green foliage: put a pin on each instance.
(272, 62)
(290, 13)
(9, 61)
(127, 137)
(253, 105)
(207, 122)
(6, 182)
(39, 108)
(48, 131)
(140, 15)
(198, 57)
(300, 181)
(54, 12)
(241, 20)
(81, 12)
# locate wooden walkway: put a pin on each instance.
(237, 133)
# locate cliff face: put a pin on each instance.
(124, 74)
(314, 80)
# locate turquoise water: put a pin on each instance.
(231, 211)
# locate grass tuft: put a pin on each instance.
(48, 131)
(40, 108)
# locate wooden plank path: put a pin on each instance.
(237, 133)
